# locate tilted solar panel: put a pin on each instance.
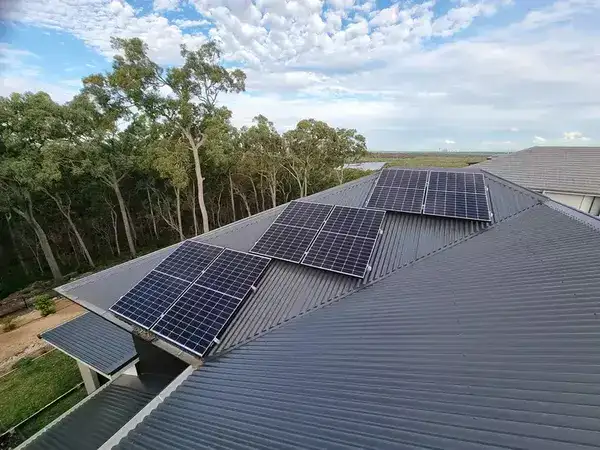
(290, 236)
(346, 242)
(148, 299)
(458, 195)
(151, 297)
(401, 190)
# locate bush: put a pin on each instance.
(9, 324)
(44, 304)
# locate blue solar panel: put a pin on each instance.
(400, 190)
(148, 299)
(189, 260)
(346, 242)
(197, 319)
(457, 195)
(233, 273)
(304, 215)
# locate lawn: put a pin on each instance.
(33, 385)
(425, 159)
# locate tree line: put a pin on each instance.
(143, 156)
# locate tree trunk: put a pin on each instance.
(196, 233)
(43, 240)
(199, 179)
(74, 248)
(115, 224)
(231, 197)
(15, 247)
(65, 210)
(125, 217)
(273, 189)
(255, 195)
(131, 224)
(152, 213)
(219, 208)
(179, 224)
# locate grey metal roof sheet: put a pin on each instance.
(288, 290)
(489, 344)
(96, 420)
(95, 341)
(562, 169)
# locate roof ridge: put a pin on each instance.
(336, 299)
(586, 219)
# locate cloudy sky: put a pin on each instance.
(409, 75)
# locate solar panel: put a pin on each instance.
(197, 318)
(148, 299)
(290, 236)
(233, 273)
(285, 242)
(304, 215)
(402, 178)
(189, 260)
(399, 190)
(346, 242)
(457, 194)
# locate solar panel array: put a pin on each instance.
(340, 239)
(192, 294)
(440, 193)
(197, 318)
(290, 236)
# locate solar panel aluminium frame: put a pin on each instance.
(181, 279)
(486, 193)
(427, 171)
(293, 226)
(369, 267)
(234, 312)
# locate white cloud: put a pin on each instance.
(449, 142)
(539, 139)
(574, 136)
(514, 129)
(165, 5)
(183, 23)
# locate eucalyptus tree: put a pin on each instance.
(182, 96)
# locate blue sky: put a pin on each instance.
(409, 75)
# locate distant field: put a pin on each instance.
(426, 159)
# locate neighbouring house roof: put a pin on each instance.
(100, 416)
(289, 290)
(561, 169)
(94, 341)
(491, 343)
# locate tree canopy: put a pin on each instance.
(145, 155)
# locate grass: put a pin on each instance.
(448, 160)
(33, 385)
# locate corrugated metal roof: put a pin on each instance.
(562, 169)
(96, 420)
(492, 344)
(95, 341)
(288, 290)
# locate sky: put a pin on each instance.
(461, 75)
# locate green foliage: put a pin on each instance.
(24, 362)
(9, 324)
(44, 304)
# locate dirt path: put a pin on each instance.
(24, 341)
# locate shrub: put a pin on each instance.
(44, 304)
(9, 324)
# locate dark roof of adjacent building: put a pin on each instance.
(289, 290)
(491, 343)
(94, 341)
(560, 169)
(100, 416)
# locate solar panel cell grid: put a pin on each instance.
(340, 253)
(151, 297)
(304, 214)
(285, 242)
(354, 221)
(197, 318)
(403, 178)
(189, 260)
(397, 199)
(233, 273)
